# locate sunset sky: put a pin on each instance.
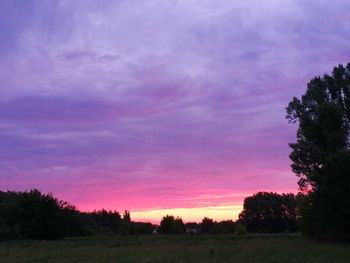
(158, 106)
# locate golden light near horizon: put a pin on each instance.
(217, 213)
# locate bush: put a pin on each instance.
(8, 232)
(240, 230)
(223, 227)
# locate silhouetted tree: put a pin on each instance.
(77, 223)
(171, 225)
(32, 214)
(126, 226)
(206, 224)
(321, 154)
(126, 216)
(9, 215)
(223, 227)
(240, 229)
(39, 216)
(141, 228)
(108, 222)
(269, 213)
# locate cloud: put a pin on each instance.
(163, 101)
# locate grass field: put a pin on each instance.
(202, 248)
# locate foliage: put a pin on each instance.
(171, 225)
(206, 224)
(108, 222)
(240, 229)
(321, 154)
(32, 215)
(35, 215)
(142, 228)
(269, 213)
(126, 225)
(223, 227)
(77, 223)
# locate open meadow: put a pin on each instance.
(181, 248)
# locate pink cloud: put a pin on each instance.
(157, 105)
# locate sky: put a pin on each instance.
(158, 106)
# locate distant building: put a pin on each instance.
(192, 231)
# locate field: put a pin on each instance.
(201, 248)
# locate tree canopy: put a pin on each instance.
(171, 225)
(269, 213)
(321, 154)
(34, 215)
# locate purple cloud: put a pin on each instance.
(157, 104)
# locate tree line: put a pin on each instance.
(34, 215)
(263, 212)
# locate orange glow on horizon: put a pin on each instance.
(196, 214)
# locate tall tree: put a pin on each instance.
(321, 154)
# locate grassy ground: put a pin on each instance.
(152, 249)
